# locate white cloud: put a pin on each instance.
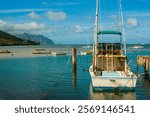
(28, 26)
(2, 22)
(33, 15)
(88, 17)
(137, 14)
(56, 16)
(60, 4)
(64, 4)
(113, 16)
(132, 21)
(78, 28)
(21, 10)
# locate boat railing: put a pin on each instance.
(110, 63)
(109, 46)
(110, 52)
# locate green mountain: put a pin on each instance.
(37, 38)
(7, 39)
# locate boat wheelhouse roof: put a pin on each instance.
(109, 32)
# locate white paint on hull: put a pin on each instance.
(107, 81)
(113, 82)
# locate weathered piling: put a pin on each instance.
(143, 61)
(74, 66)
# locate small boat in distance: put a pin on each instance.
(109, 69)
(87, 44)
(58, 53)
(86, 47)
(5, 52)
(136, 47)
(41, 51)
(86, 52)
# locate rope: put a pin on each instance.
(63, 72)
(131, 59)
(128, 81)
(81, 63)
(125, 85)
(60, 79)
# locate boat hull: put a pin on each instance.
(110, 82)
(103, 83)
(58, 53)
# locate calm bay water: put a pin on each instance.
(50, 78)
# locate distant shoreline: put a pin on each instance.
(20, 45)
(25, 51)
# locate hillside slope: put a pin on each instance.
(7, 39)
(37, 38)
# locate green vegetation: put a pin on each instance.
(7, 39)
(37, 38)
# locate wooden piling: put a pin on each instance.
(74, 67)
(143, 61)
(74, 59)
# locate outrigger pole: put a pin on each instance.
(122, 26)
(122, 30)
(96, 33)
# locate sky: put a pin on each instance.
(72, 21)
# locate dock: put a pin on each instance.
(143, 61)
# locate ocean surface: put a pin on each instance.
(50, 77)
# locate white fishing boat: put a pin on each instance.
(41, 51)
(5, 52)
(136, 47)
(87, 44)
(83, 53)
(58, 53)
(86, 52)
(109, 69)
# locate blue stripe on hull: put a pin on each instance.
(113, 88)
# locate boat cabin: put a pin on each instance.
(110, 56)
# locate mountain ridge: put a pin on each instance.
(37, 38)
(7, 39)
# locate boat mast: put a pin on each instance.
(122, 26)
(122, 30)
(96, 33)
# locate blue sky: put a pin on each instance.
(72, 21)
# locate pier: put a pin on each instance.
(143, 61)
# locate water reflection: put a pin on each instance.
(142, 92)
(112, 95)
(74, 80)
(147, 76)
(144, 84)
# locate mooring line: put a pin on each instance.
(59, 79)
